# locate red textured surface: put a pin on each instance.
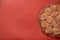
(18, 19)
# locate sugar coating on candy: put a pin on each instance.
(44, 24)
(48, 29)
(43, 16)
(58, 18)
(54, 14)
(50, 20)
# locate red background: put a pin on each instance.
(18, 19)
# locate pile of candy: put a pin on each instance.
(50, 20)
